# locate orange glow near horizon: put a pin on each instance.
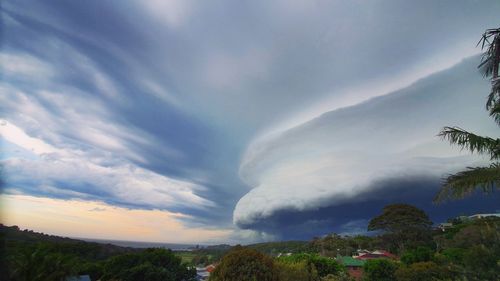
(90, 219)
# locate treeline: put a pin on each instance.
(32, 256)
(466, 250)
(247, 264)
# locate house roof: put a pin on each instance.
(376, 255)
(350, 261)
(385, 253)
(484, 215)
(210, 268)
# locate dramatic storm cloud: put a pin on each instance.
(248, 114)
(348, 154)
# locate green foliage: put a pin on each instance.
(151, 264)
(93, 269)
(379, 270)
(404, 225)
(38, 263)
(490, 62)
(465, 183)
(343, 276)
(484, 231)
(244, 264)
(296, 271)
(323, 265)
(201, 260)
(473, 251)
(455, 255)
(471, 142)
(334, 244)
(274, 248)
(214, 253)
(423, 271)
(482, 263)
(398, 217)
(420, 254)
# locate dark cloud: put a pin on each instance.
(178, 92)
(352, 217)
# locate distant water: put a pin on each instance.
(135, 244)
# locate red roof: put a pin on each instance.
(210, 268)
(377, 255)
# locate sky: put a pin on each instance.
(189, 121)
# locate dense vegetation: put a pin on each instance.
(469, 249)
(28, 255)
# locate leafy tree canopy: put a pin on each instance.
(244, 264)
(151, 264)
(423, 271)
(400, 217)
(380, 270)
(323, 265)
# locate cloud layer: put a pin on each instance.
(192, 107)
(345, 154)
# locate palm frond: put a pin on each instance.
(491, 57)
(495, 112)
(462, 184)
(472, 142)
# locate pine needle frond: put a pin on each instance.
(462, 184)
(472, 142)
(491, 57)
(495, 112)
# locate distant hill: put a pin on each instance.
(12, 236)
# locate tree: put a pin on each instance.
(423, 271)
(379, 270)
(244, 264)
(39, 264)
(487, 179)
(151, 264)
(481, 263)
(420, 254)
(404, 225)
(323, 265)
(295, 271)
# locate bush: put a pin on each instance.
(244, 264)
(343, 276)
(455, 255)
(420, 254)
(323, 265)
(481, 263)
(422, 271)
(379, 270)
(297, 271)
(151, 264)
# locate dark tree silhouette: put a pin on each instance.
(403, 225)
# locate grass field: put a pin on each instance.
(187, 257)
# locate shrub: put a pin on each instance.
(297, 271)
(244, 264)
(422, 271)
(379, 270)
(151, 264)
(420, 254)
(323, 265)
